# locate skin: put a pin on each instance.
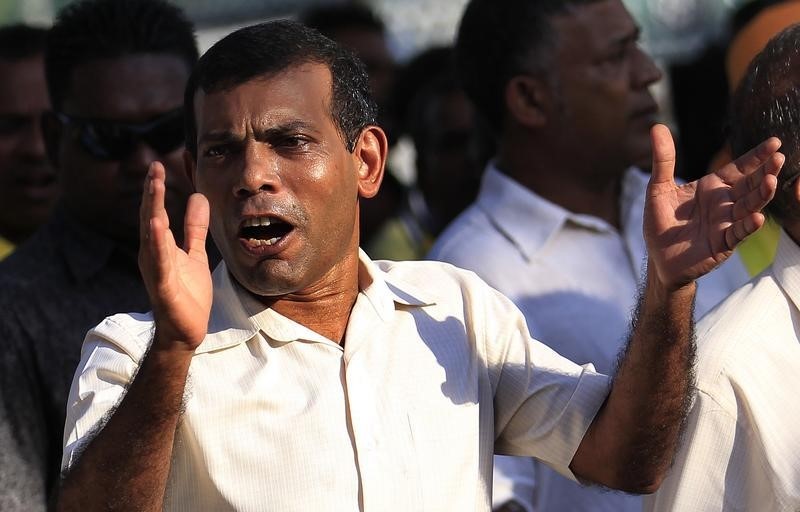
(595, 106)
(28, 186)
(105, 195)
(689, 230)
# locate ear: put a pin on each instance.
(189, 167)
(370, 156)
(52, 130)
(528, 101)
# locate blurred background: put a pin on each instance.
(686, 37)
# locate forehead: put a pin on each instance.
(22, 88)
(587, 29)
(130, 88)
(300, 92)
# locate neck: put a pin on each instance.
(324, 308)
(577, 190)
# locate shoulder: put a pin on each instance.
(437, 278)
(31, 263)
(743, 332)
(128, 332)
(473, 241)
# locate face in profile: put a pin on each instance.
(603, 80)
(118, 116)
(28, 186)
(282, 186)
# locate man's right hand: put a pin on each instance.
(178, 280)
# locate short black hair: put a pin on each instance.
(99, 29)
(499, 39)
(330, 19)
(271, 47)
(21, 41)
(767, 103)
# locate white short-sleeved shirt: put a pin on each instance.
(741, 451)
(576, 278)
(437, 371)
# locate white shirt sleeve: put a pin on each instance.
(101, 380)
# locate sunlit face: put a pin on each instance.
(282, 187)
(105, 194)
(28, 187)
(602, 78)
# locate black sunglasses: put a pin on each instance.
(111, 140)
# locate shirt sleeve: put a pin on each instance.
(544, 403)
(100, 382)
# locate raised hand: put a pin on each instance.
(178, 279)
(692, 228)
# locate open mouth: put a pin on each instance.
(263, 231)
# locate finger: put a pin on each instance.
(754, 180)
(756, 199)
(195, 225)
(742, 228)
(161, 245)
(749, 162)
(663, 155)
(152, 198)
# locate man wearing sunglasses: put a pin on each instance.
(116, 70)
(28, 187)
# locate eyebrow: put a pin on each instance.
(284, 129)
(266, 134)
(630, 37)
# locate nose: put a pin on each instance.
(140, 159)
(258, 171)
(645, 71)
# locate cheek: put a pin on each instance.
(7, 145)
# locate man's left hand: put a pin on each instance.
(690, 229)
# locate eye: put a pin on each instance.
(218, 150)
(295, 141)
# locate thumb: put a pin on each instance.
(663, 155)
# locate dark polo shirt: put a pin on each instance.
(53, 289)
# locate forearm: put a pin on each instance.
(125, 467)
(636, 432)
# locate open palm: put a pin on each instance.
(692, 228)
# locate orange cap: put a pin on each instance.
(754, 36)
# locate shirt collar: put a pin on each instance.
(786, 267)
(511, 207)
(236, 317)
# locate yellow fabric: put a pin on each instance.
(6, 248)
(393, 242)
(755, 36)
(758, 250)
